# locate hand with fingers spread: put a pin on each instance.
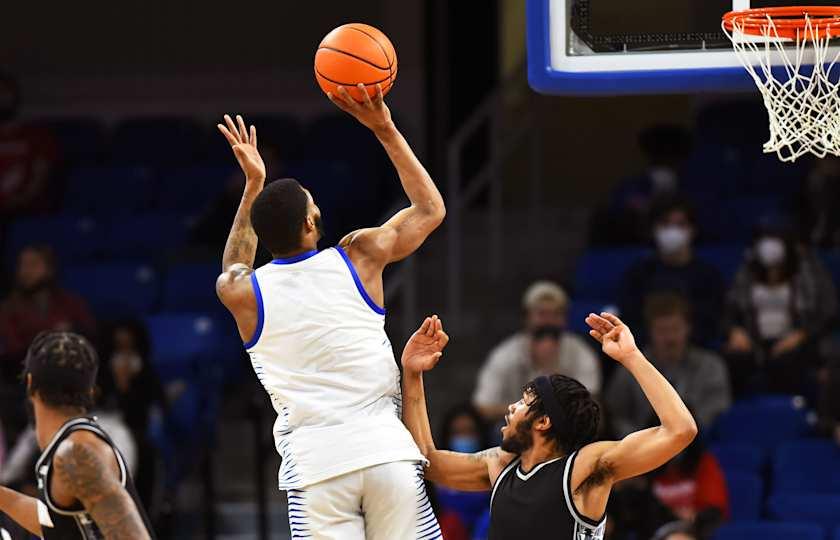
(244, 144)
(614, 336)
(425, 347)
(372, 113)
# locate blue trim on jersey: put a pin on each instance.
(296, 258)
(368, 300)
(260, 312)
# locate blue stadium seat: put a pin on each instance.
(759, 530)
(836, 534)
(81, 139)
(818, 508)
(765, 422)
(740, 457)
(191, 287)
(146, 236)
(115, 289)
(74, 238)
(183, 344)
(578, 311)
(746, 491)
(190, 190)
(109, 190)
(807, 466)
(831, 259)
(158, 140)
(599, 272)
(727, 258)
(340, 137)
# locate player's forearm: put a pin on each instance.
(415, 415)
(416, 182)
(21, 508)
(241, 245)
(667, 404)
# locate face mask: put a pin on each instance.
(770, 251)
(671, 238)
(129, 361)
(464, 444)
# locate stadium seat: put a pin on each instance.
(190, 190)
(764, 422)
(158, 140)
(183, 344)
(599, 272)
(746, 491)
(818, 508)
(807, 466)
(740, 457)
(145, 236)
(115, 289)
(762, 530)
(836, 534)
(73, 238)
(109, 190)
(191, 287)
(831, 259)
(727, 258)
(81, 139)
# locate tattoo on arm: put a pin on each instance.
(84, 474)
(485, 455)
(241, 245)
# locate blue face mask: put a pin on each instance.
(464, 444)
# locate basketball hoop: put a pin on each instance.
(787, 52)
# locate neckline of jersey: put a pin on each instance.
(296, 258)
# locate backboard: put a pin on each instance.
(615, 47)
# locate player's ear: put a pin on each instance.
(309, 223)
(543, 423)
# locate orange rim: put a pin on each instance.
(788, 21)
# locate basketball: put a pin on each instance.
(352, 54)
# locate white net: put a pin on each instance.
(800, 92)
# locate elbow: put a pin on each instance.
(436, 213)
(686, 432)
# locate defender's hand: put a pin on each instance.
(425, 347)
(614, 336)
(244, 145)
(372, 113)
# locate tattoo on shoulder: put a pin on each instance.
(601, 472)
(82, 470)
(484, 455)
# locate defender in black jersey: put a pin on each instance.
(85, 490)
(548, 479)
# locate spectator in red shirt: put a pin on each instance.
(693, 487)
(27, 156)
(35, 304)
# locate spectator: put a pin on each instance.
(131, 386)
(693, 487)
(464, 430)
(626, 219)
(698, 375)
(35, 304)
(676, 530)
(782, 302)
(675, 268)
(27, 155)
(543, 347)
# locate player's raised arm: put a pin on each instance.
(466, 472)
(401, 235)
(644, 450)
(82, 472)
(22, 509)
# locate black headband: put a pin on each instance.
(545, 391)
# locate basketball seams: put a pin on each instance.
(357, 57)
(381, 48)
(350, 85)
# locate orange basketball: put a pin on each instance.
(352, 54)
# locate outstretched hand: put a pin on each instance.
(614, 336)
(425, 347)
(372, 113)
(244, 144)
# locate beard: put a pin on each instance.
(521, 440)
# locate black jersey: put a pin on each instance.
(74, 522)
(539, 505)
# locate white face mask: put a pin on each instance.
(672, 238)
(770, 251)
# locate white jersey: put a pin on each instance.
(321, 352)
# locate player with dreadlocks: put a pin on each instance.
(85, 489)
(549, 479)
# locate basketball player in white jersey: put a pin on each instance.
(549, 480)
(313, 325)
